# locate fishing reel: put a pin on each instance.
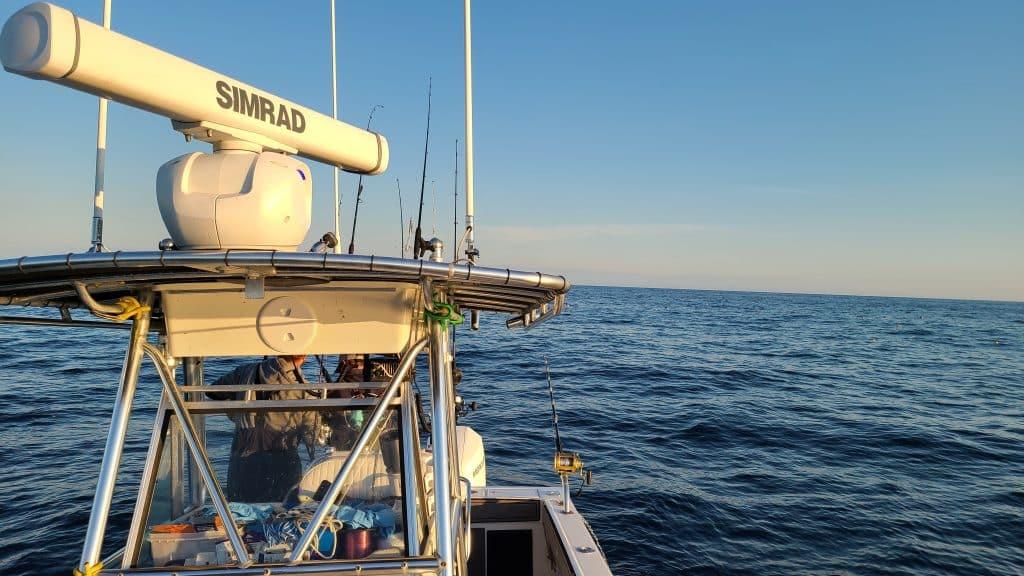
(462, 407)
(570, 464)
(326, 244)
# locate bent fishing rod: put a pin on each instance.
(359, 191)
(420, 245)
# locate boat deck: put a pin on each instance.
(566, 541)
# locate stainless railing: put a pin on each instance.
(368, 430)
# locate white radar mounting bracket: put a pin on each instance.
(227, 137)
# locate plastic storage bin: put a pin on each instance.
(167, 548)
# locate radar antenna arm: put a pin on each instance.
(46, 42)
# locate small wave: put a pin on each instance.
(910, 332)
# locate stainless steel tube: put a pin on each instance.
(364, 437)
(176, 449)
(467, 511)
(412, 479)
(144, 500)
(363, 566)
(28, 321)
(565, 495)
(198, 452)
(93, 545)
(194, 377)
(95, 306)
(441, 435)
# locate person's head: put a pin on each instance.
(353, 361)
(295, 360)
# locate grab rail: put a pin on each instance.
(466, 514)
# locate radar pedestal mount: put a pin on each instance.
(247, 194)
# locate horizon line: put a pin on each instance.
(788, 293)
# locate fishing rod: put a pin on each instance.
(455, 233)
(409, 230)
(433, 208)
(401, 217)
(359, 191)
(324, 376)
(419, 246)
(554, 412)
(566, 463)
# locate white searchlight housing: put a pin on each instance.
(249, 193)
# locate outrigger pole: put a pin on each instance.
(101, 159)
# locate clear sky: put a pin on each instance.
(859, 147)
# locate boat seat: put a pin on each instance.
(369, 479)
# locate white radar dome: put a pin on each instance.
(235, 199)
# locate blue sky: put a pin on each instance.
(857, 147)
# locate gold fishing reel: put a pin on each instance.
(570, 464)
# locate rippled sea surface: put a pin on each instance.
(729, 433)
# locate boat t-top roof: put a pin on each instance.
(49, 281)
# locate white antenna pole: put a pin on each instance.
(334, 110)
(471, 251)
(101, 159)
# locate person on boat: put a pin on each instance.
(359, 368)
(265, 462)
(346, 425)
(352, 368)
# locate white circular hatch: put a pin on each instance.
(287, 325)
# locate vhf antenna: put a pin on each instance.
(359, 191)
(420, 245)
(455, 205)
(101, 160)
(334, 114)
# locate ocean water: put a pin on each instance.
(729, 433)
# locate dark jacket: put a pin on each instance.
(265, 461)
(264, 431)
